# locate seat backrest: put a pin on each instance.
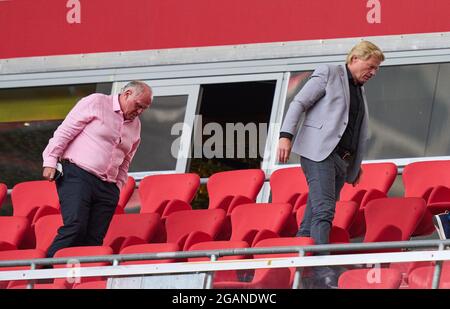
(150, 248)
(143, 226)
(257, 217)
(80, 252)
(344, 214)
(126, 192)
(154, 190)
(3, 193)
(287, 183)
(227, 275)
(213, 245)
(27, 254)
(28, 195)
(420, 177)
(379, 176)
(245, 183)
(181, 223)
(422, 277)
(282, 242)
(388, 278)
(392, 219)
(13, 229)
(45, 231)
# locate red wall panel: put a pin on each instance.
(39, 27)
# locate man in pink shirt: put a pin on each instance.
(95, 145)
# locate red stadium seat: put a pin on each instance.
(375, 182)
(28, 196)
(3, 193)
(344, 216)
(270, 278)
(373, 278)
(61, 283)
(392, 219)
(229, 189)
(45, 230)
(288, 185)
(422, 277)
(125, 194)
(150, 248)
(430, 181)
(12, 232)
(93, 285)
(18, 255)
(189, 227)
(130, 229)
(226, 275)
(165, 194)
(255, 222)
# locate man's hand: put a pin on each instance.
(284, 149)
(49, 173)
(358, 178)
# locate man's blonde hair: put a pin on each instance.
(364, 50)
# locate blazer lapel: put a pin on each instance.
(344, 80)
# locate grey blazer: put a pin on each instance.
(325, 100)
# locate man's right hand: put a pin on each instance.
(284, 149)
(49, 173)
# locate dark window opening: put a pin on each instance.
(241, 112)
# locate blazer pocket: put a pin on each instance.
(313, 124)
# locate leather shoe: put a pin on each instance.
(326, 282)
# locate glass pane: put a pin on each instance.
(400, 100)
(154, 153)
(296, 82)
(409, 108)
(28, 118)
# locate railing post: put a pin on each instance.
(210, 275)
(297, 284)
(30, 283)
(437, 271)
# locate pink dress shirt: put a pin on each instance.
(96, 138)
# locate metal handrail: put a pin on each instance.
(213, 265)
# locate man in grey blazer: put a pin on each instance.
(331, 140)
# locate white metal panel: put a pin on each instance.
(192, 91)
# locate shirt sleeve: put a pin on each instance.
(286, 135)
(310, 94)
(77, 119)
(123, 168)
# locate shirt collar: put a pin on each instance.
(116, 104)
(350, 77)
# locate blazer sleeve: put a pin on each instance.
(312, 91)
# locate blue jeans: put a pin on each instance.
(325, 181)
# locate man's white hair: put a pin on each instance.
(139, 86)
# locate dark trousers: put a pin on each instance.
(325, 181)
(87, 206)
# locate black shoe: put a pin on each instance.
(326, 282)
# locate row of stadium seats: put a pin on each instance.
(165, 194)
(387, 219)
(426, 181)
